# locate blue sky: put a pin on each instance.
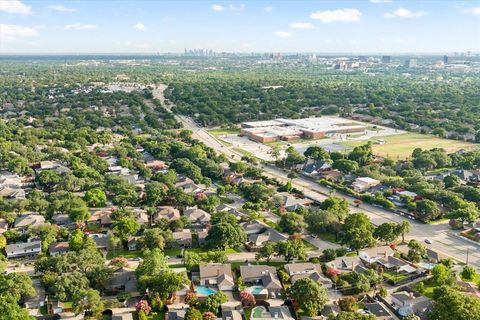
(361, 26)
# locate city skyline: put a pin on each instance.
(375, 26)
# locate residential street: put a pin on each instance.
(440, 234)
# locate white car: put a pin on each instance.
(428, 241)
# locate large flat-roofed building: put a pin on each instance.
(308, 128)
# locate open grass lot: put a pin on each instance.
(224, 131)
(394, 276)
(401, 146)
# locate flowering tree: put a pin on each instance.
(209, 316)
(248, 300)
(332, 272)
(119, 262)
(143, 305)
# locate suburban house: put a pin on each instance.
(156, 165)
(253, 227)
(202, 235)
(183, 238)
(331, 175)
(409, 302)
(264, 276)
(101, 217)
(62, 219)
(123, 280)
(362, 184)
(380, 311)
(291, 203)
(22, 223)
(23, 249)
(176, 314)
(298, 271)
(123, 316)
(58, 248)
(272, 313)
(345, 264)
(3, 225)
(218, 275)
(132, 243)
(256, 241)
(231, 315)
(313, 167)
(166, 212)
(197, 217)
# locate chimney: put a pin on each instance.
(386, 255)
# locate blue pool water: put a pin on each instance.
(204, 291)
(257, 290)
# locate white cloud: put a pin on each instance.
(80, 26)
(403, 40)
(268, 9)
(302, 25)
(473, 10)
(11, 32)
(61, 8)
(240, 8)
(15, 6)
(339, 15)
(380, 1)
(282, 34)
(140, 26)
(405, 13)
(218, 8)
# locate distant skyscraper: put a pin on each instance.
(410, 63)
(445, 59)
(386, 59)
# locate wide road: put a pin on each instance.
(444, 240)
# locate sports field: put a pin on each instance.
(401, 146)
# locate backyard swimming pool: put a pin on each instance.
(257, 290)
(204, 291)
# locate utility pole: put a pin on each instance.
(468, 251)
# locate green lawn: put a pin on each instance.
(401, 146)
(428, 291)
(327, 236)
(394, 276)
(224, 131)
(310, 247)
(124, 253)
(177, 251)
(157, 316)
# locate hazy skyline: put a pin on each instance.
(363, 26)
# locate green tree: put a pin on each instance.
(358, 232)
(76, 240)
(96, 198)
(214, 301)
(290, 249)
(468, 273)
(310, 295)
(451, 304)
(70, 286)
(346, 166)
(151, 239)
(223, 235)
(291, 223)
(91, 302)
(442, 275)
(337, 205)
(193, 314)
(403, 228)
(387, 232)
(416, 251)
(267, 251)
(125, 227)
